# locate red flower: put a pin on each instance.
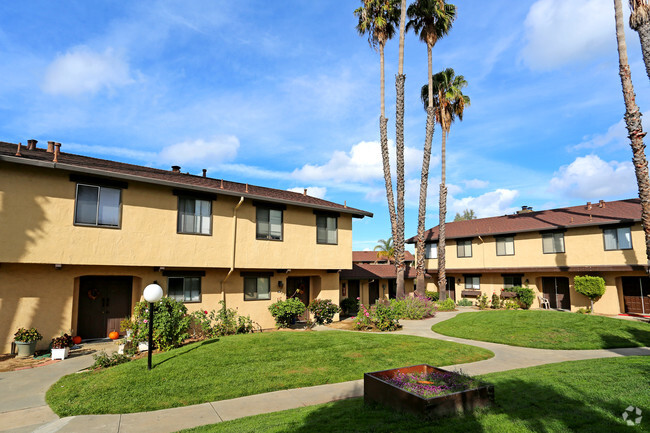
(206, 311)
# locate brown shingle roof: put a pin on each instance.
(369, 271)
(371, 256)
(102, 167)
(611, 212)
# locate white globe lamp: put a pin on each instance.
(152, 293)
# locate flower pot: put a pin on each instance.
(143, 346)
(26, 348)
(60, 353)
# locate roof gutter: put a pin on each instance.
(96, 172)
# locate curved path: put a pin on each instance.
(23, 409)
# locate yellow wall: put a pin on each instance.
(39, 296)
(36, 226)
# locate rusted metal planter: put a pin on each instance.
(377, 390)
(470, 293)
(506, 294)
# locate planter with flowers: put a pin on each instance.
(61, 346)
(26, 341)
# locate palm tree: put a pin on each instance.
(431, 20)
(640, 21)
(399, 150)
(449, 103)
(634, 127)
(378, 19)
(385, 249)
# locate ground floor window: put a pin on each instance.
(184, 289)
(472, 283)
(511, 281)
(256, 288)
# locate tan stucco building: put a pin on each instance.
(545, 250)
(82, 237)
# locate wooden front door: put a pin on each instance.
(353, 289)
(556, 290)
(392, 289)
(298, 287)
(451, 288)
(636, 295)
(373, 292)
(102, 300)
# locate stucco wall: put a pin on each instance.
(36, 226)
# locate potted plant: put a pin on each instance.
(61, 346)
(126, 326)
(26, 341)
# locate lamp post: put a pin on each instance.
(152, 293)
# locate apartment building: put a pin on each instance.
(82, 237)
(545, 250)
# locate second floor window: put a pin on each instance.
(194, 216)
(505, 246)
(269, 224)
(618, 239)
(431, 251)
(326, 229)
(464, 248)
(97, 206)
(553, 243)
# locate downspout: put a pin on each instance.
(234, 248)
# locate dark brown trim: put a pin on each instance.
(269, 205)
(470, 293)
(267, 274)
(327, 213)
(622, 223)
(472, 275)
(183, 273)
(194, 194)
(98, 181)
(542, 269)
(512, 275)
(553, 230)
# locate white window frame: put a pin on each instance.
(97, 222)
(201, 226)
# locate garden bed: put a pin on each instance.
(426, 390)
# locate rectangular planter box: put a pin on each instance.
(377, 389)
(143, 346)
(505, 294)
(60, 353)
(470, 293)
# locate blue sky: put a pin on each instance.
(286, 95)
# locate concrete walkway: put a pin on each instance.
(23, 409)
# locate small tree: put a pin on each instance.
(591, 287)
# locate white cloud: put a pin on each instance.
(476, 183)
(591, 178)
(362, 163)
(314, 191)
(81, 70)
(208, 153)
(493, 203)
(564, 31)
(616, 135)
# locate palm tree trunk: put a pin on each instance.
(442, 238)
(383, 134)
(399, 144)
(634, 128)
(424, 183)
(644, 36)
(640, 22)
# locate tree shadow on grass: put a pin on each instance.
(520, 406)
(185, 350)
(634, 338)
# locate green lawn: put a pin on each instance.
(242, 365)
(546, 329)
(583, 396)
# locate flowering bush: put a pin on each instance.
(27, 335)
(496, 301)
(170, 323)
(286, 312)
(482, 302)
(413, 308)
(222, 322)
(362, 321)
(62, 342)
(323, 310)
(384, 318)
(433, 384)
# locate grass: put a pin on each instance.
(546, 329)
(242, 365)
(584, 396)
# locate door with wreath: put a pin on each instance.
(102, 300)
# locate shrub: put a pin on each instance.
(591, 287)
(62, 342)
(446, 305)
(27, 335)
(323, 310)
(363, 320)
(496, 301)
(525, 295)
(350, 305)
(384, 317)
(464, 302)
(434, 296)
(222, 322)
(413, 308)
(103, 360)
(286, 312)
(583, 311)
(510, 304)
(170, 324)
(482, 302)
